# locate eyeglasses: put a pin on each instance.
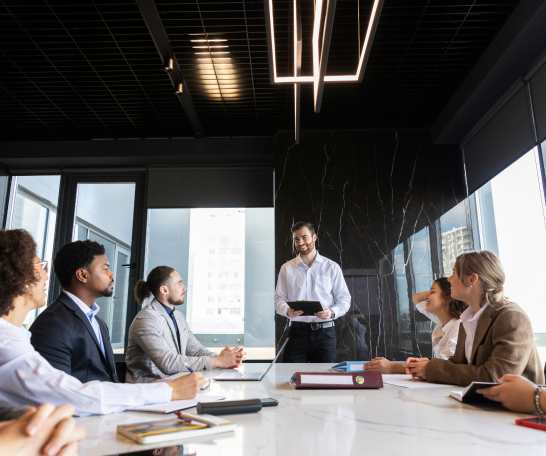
(44, 264)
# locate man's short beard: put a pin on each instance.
(107, 292)
(176, 303)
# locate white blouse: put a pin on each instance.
(444, 338)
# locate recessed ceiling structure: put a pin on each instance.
(94, 69)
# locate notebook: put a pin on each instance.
(469, 395)
(149, 432)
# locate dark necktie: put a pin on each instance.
(175, 327)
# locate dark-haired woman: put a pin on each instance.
(440, 307)
(26, 378)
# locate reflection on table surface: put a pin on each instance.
(392, 420)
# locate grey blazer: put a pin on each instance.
(153, 351)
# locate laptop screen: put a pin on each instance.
(278, 353)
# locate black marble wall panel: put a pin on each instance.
(368, 193)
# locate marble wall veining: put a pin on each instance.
(375, 198)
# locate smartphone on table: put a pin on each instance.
(536, 422)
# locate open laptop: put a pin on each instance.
(249, 376)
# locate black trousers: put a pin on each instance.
(310, 346)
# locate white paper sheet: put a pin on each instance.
(173, 406)
(405, 381)
(326, 379)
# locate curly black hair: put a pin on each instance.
(17, 271)
(73, 256)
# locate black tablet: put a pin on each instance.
(310, 308)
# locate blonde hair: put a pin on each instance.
(488, 267)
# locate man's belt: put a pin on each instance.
(313, 326)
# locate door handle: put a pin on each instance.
(131, 266)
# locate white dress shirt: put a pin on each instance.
(26, 378)
(444, 338)
(323, 282)
(470, 322)
(90, 313)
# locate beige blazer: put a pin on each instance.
(153, 351)
(503, 344)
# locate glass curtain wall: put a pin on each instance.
(226, 260)
(33, 207)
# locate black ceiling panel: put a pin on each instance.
(84, 69)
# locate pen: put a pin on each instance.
(189, 368)
(186, 416)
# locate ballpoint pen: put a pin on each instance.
(189, 368)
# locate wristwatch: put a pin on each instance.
(333, 314)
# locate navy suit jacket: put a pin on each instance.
(63, 335)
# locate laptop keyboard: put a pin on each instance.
(252, 375)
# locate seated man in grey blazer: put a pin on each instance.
(160, 342)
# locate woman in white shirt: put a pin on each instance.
(440, 307)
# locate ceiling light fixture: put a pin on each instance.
(168, 65)
(179, 90)
(322, 32)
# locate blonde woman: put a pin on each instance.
(496, 337)
(440, 307)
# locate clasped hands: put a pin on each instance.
(325, 314)
(47, 430)
(229, 358)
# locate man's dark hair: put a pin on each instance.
(300, 225)
(17, 271)
(73, 256)
(145, 288)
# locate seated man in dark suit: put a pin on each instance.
(68, 333)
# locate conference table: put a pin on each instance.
(390, 421)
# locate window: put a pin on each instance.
(211, 264)
(33, 207)
(180, 238)
(236, 263)
(512, 223)
(233, 311)
(211, 240)
(210, 299)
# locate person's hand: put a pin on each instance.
(382, 365)
(417, 368)
(187, 386)
(516, 393)
(326, 314)
(45, 431)
(229, 358)
(293, 313)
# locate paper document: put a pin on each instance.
(405, 381)
(173, 406)
(326, 380)
(169, 380)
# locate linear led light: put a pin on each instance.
(207, 47)
(210, 53)
(374, 17)
(204, 41)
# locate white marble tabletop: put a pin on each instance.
(390, 421)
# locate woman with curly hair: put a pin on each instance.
(26, 378)
(497, 336)
(440, 307)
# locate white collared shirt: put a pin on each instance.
(94, 323)
(444, 338)
(470, 322)
(323, 282)
(26, 378)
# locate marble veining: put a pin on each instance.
(389, 421)
(375, 198)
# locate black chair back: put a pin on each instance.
(121, 370)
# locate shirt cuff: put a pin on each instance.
(157, 395)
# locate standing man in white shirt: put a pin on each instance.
(311, 277)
